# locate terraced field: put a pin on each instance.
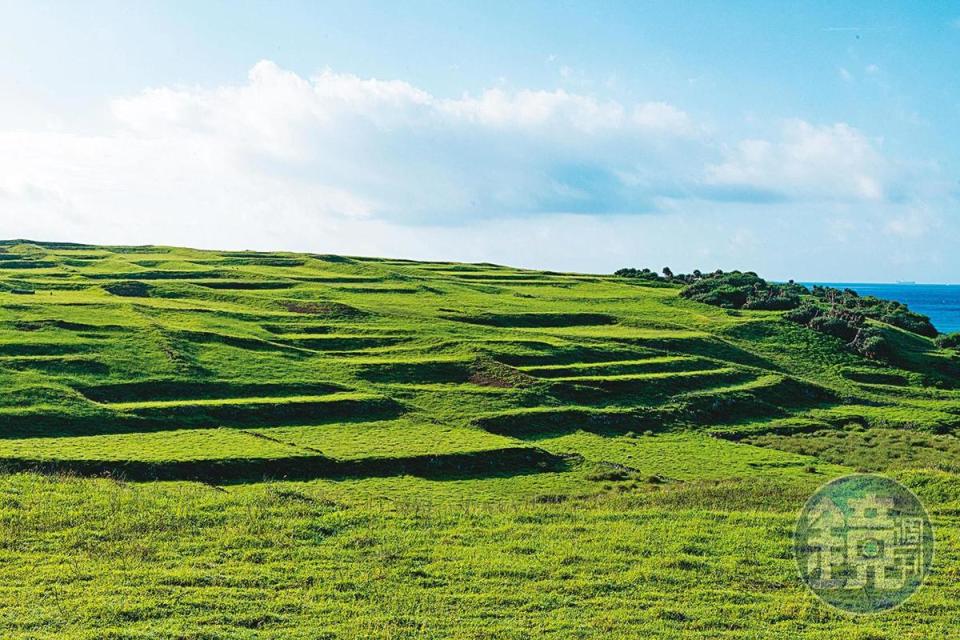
(234, 444)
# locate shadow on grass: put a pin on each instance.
(550, 423)
(172, 389)
(266, 414)
(459, 466)
(535, 320)
(696, 410)
(711, 347)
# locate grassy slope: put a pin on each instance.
(318, 446)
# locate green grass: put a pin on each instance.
(190, 444)
(290, 560)
(396, 438)
(686, 456)
(276, 445)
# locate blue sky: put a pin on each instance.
(808, 140)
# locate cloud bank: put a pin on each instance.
(335, 162)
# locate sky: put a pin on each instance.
(807, 140)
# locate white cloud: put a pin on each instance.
(338, 163)
(339, 145)
(845, 75)
(835, 162)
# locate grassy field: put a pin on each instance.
(204, 445)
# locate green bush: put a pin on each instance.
(873, 345)
(835, 326)
(804, 313)
(772, 301)
(948, 340)
(726, 296)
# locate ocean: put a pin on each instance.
(941, 302)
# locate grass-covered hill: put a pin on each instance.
(206, 444)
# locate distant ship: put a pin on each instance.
(906, 282)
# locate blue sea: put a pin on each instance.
(941, 302)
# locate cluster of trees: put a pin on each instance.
(743, 290)
(666, 275)
(630, 272)
(645, 274)
(732, 290)
(842, 313)
(888, 311)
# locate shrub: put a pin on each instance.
(803, 314)
(772, 301)
(948, 340)
(871, 342)
(875, 347)
(835, 326)
(722, 296)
